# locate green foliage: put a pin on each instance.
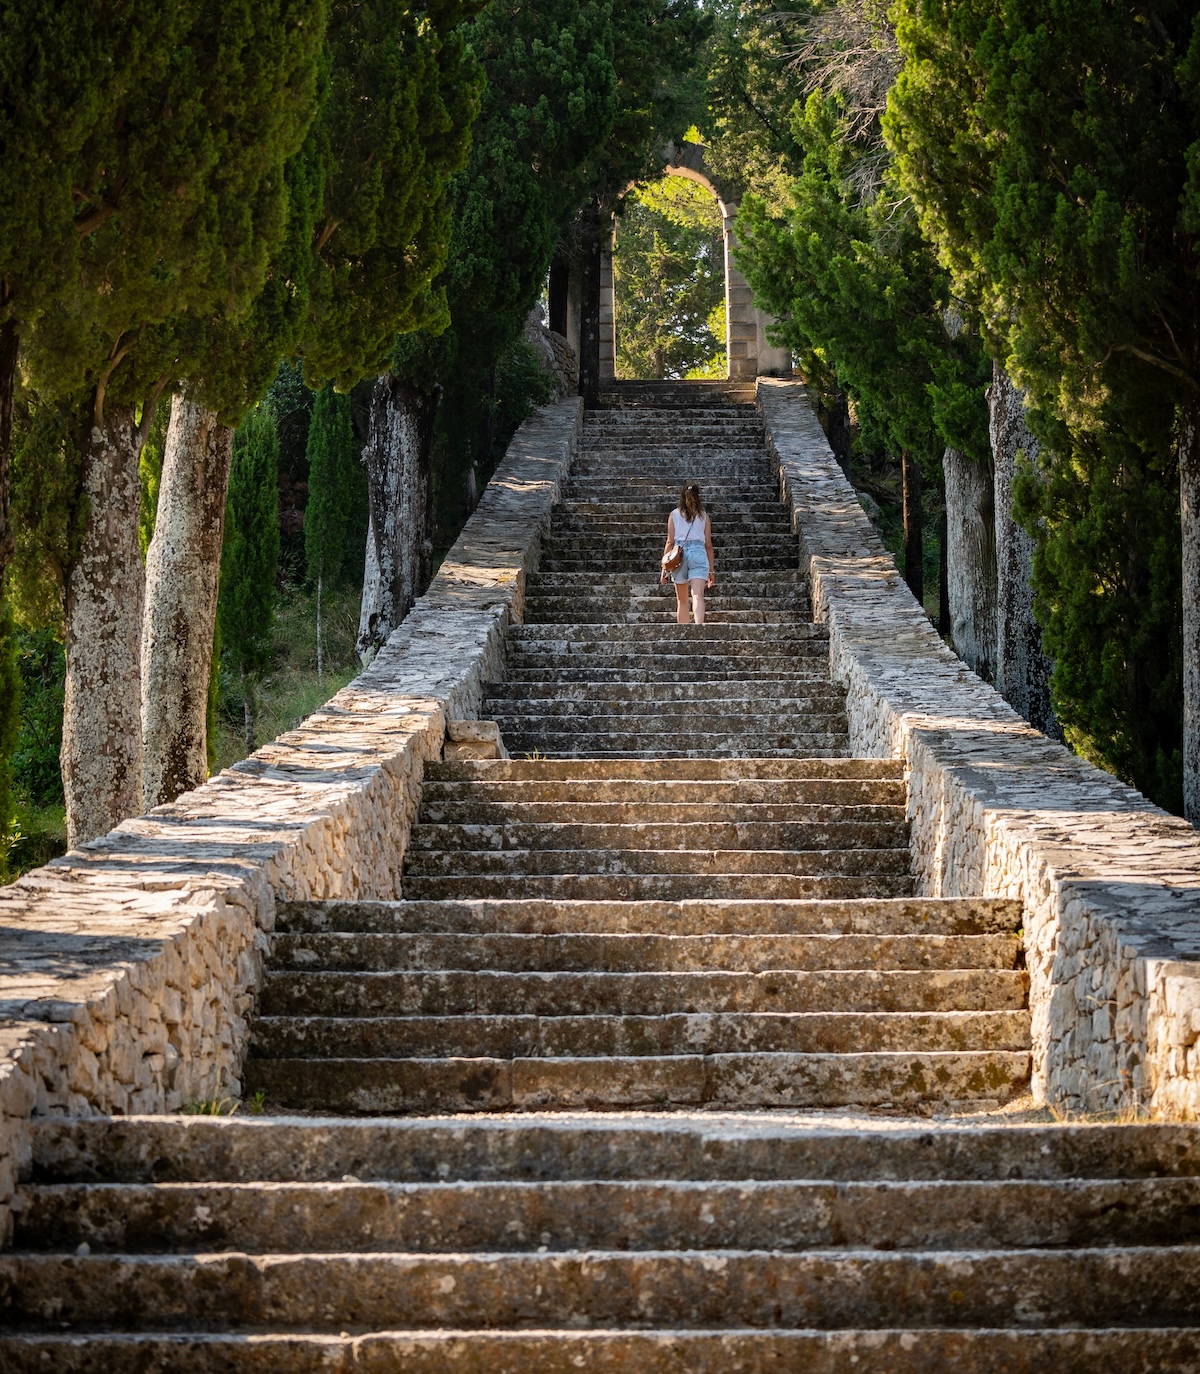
(332, 455)
(669, 270)
(150, 465)
(48, 514)
(251, 556)
(860, 297)
(10, 725)
(35, 755)
(1107, 577)
(1050, 156)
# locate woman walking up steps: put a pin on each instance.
(690, 527)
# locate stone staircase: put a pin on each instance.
(658, 1007)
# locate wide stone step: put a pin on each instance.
(893, 916)
(464, 809)
(651, 770)
(604, 694)
(631, 562)
(823, 702)
(463, 992)
(788, 1216)
(773, 583)
(655, 613)
(669, 887)
(783, 673)
(629, 953)
(566, 1350)
(702, 863)
(690, 639)
(522, 1037)
(767, 1289)
(691, 836)
(525, 719)
(697, 745)
(723, 1080)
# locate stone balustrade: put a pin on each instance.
(1110, 883)
(128, 969)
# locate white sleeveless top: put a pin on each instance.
(685, 529)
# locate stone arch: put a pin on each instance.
(747, 348)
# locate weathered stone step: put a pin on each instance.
(892, 916)
(629, 953)
(651, 770)
(689, 639)
(770, 582)
(646, 561)
(463, 809)
(682, 725)
(464, 992)
(819, 701)
(724, 1080)
(841, 793)
(1144, 1349)
(717, 1289)
(656, 613)
(610, 1215)
(668, 887)
(784, 672)
(707, 837)
(151, 1149)
(700, 745)
(604, 694)
(713, 863)
(507, 1037)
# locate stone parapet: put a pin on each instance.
(1110, 883)
(129, 968)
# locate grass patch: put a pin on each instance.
(39, 835)
(290, 691)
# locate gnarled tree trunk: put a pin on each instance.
(183, 567)
(971, 561)
(102, 727)
(398, 456)
(1022, 667)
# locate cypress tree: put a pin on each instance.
(331, 455)
(250, 560)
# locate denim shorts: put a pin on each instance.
(695, 562)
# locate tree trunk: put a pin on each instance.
(9, 350)
(399, 469)
(971, 561)
(102, 727)
(320, 641)
(589, 325)
(836, 422)
(183, 566)
(914, 540)
(1189, 513)
(1022, 667)
(248, 711)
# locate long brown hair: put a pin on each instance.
(689, 501)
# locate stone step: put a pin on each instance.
(690, 639)
(893, 916)
(780, 678)
(646, 563)
(776, 582)
(695, 837)
(564, 1350)
(790, 1216)
(668, 887)
(836, 791)
(712, 864)
(658, 614)
(650, 770)
(512, 1037)
(627, 953)
(684, 724)
(466, 809)
(155, 1149)
(855, 1288)
(697, 744)
(817, 690)
(478, 992)
(369, 1086)
(822, 703)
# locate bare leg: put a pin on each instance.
(697, 585)
(681, 603)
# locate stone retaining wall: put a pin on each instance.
(1111, 884)
(128, 969)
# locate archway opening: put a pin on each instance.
(669, 282)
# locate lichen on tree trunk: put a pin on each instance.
(1022, 667)
(971, 560)
(398, 457)
(182, 573)
(102, 728)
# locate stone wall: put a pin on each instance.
(128, 969)
(1111, 884)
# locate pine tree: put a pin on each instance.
(251, 558)
(331, 456)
